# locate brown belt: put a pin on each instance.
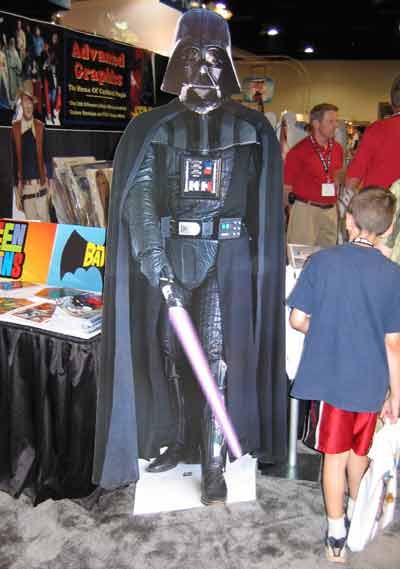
(316, 204)
(38, 194)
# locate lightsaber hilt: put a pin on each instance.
(168, 290)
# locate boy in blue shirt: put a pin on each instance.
(347, 303)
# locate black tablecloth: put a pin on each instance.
(47, 413)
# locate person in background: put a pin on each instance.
(311, 174)
(5, 100)
(37, 43)
(376, 160)
(32, 164)
(20, 40)
(346, 302)
(29, 40)
(50, 83)
(14, 69)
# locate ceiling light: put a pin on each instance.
(272, 31)
(122, 25)
(220, 8)
(309, 49)
(55, 18)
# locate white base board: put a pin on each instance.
(179, 488)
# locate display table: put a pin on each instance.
(47, 412)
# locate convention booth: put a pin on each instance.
(78, 91)
(75, 93)
(49, 352)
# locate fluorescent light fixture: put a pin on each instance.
(272, 31)
(309, 49)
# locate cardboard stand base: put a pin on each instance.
(179, 488)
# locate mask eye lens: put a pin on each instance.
(191, 55)
(213, 57)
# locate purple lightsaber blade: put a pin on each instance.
(190, 342)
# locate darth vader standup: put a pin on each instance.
(196, 211)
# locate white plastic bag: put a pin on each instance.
(375, 504)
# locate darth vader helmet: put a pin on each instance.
(200, 70)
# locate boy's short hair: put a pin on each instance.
(373, 209)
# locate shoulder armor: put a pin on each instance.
(161, 136)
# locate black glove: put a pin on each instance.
(170, 290)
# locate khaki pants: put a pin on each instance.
(312, 225)
(35, 207)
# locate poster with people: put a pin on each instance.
(53, 79)
(76, 79)
(31, 54)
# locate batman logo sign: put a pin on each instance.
(79, 253)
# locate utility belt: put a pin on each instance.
(293, 198)
(216, 228)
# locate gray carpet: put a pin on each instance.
(282, 529)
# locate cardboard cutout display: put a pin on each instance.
(195, 220)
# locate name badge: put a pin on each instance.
(328, 190)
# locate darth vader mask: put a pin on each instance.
(200, 69)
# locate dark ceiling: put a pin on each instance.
(352, 29)
(38, 9)
(337, 29)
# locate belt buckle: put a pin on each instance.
(189, 228)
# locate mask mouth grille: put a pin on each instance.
(200, 99)
(202, 88)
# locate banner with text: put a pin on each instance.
(76, 80)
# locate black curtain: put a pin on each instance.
(47, 413)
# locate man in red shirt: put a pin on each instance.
(376, 162)
(311, 188)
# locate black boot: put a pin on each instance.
(213, 485)
(168, 459)
(213, 449)
(175, 452)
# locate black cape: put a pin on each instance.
(134, 417)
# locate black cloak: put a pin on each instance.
(134, 417)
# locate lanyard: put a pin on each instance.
(325, 162)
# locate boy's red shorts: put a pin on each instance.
(332, 430)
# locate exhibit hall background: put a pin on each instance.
(356, 87)
(86, 89)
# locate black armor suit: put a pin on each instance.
(197, 187)
(175, 234)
